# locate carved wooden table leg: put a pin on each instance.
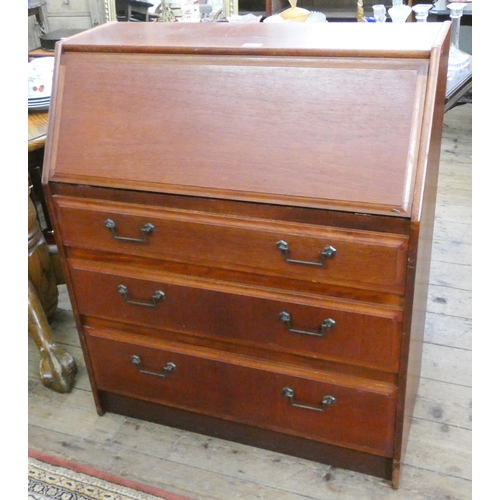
(57, 368)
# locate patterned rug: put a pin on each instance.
(50, 478)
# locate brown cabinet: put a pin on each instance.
(245, 215)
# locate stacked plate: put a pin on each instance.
(40, 73)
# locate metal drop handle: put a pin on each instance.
(155, 298)
(327, 252)
(287, 320)
(169, 367)
(146, 230)
(325, 402)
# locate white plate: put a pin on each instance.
(39, 105)
(43, 61)
(42, 107)
(40, 74)
(38, 100)
(39, 86)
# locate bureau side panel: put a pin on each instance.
(420, 248)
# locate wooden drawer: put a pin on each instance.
(342, 331)
(346, 411)
(359, 259)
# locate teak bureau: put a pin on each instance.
(245, 215)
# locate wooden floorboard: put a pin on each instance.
(438, 460)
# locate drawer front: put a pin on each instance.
(359, 259)
(346, 411)
(342, 331)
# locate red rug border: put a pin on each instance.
(85, 469)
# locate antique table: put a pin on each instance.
(57, 368)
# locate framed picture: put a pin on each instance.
(226, 7)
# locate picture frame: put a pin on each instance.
(230, 8)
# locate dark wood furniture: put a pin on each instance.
(57, 368)
(249, 257)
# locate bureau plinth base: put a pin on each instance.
(334, 456)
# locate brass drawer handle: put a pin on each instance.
(287, 319)
(327, 252)
(325, 402)
(146, 230)
(155, 298)
(169, 367)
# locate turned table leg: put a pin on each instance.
(57, 368)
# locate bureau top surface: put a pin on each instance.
(410, 39)
(335, 116)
